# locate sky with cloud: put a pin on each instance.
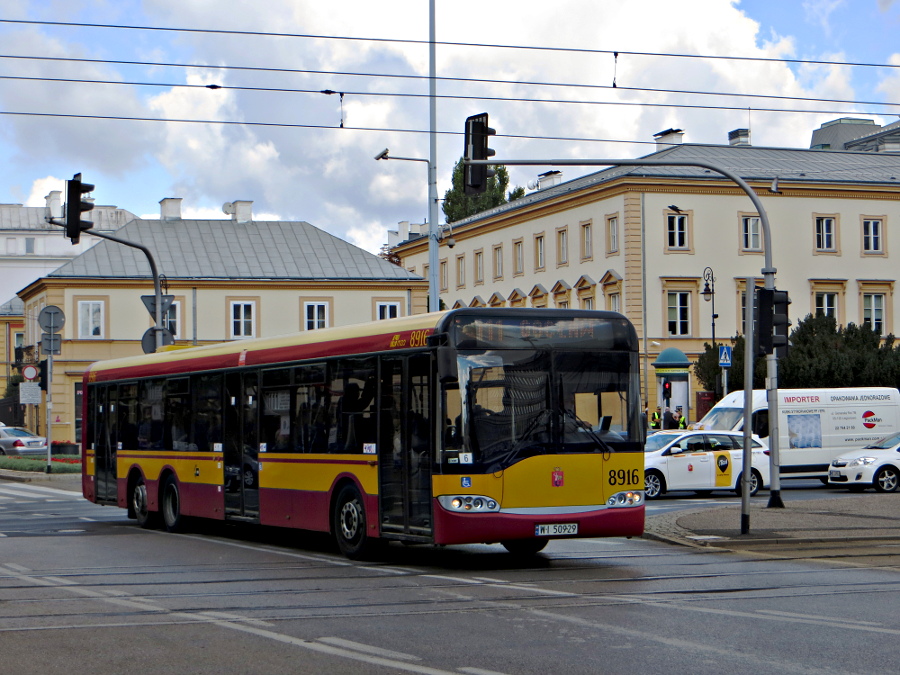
(131, 107)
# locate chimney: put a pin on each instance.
(403, 230)
(54, 204)
(739, 137)
(240, 211)
(170, 208)
(668, 138)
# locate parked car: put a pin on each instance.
(701, 461)
(20, 441)
(876, 465)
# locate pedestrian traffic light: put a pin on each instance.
(42, 374)
(75, 206)
(780, 322)
(667, 390)
(475, 176)
(762, 314)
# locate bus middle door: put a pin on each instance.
(241, 448)
(104, 437)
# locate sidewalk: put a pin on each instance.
(62, 481)
(857, 517)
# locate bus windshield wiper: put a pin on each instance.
(588, 429)
(524, 441)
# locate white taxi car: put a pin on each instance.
(701, 461)
(876, 465)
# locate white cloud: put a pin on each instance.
(42, 187)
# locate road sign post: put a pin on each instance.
(724, 364)
(51, 319)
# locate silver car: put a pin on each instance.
(20, 441)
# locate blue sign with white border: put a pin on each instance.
(724, 356)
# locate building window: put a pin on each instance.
(587, 241)
(479, 267)
(612, 234)
(444, 274)
(387, 310)
(677, 232)
(29, 245)
(873, 311)
(826, 304)
(498, 262)
(678, 309)
(460, 271)
(751, 237)
(90, 319)
(562, 247)
(826, 234)
(587, 303)
(316, 315)
(539, 261)
(614, 302)
(872, 234)
(242, 319)
(518, 258)
(172, 319)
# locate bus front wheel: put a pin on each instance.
(350, 525)
(171, 506)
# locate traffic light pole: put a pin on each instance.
(768, 272)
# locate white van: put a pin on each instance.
(814, 425)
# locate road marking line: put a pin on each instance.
(479, 671)
(368, 649)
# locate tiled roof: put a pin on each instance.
(750, 163)
(226, 249)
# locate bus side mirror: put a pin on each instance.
(446, 365)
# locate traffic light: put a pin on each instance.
(667, 390)
(475, 177)
(780, 322)
(762, 315)
(42, 374)
(75, 206)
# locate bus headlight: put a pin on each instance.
(626, 499)
(468, 503)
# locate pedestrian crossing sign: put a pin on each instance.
(724, 356)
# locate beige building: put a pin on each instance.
(638, 239)
(231, 280)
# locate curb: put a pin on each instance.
(36, 476)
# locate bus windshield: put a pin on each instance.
(723, 419)
(515, 404)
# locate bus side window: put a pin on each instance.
(761, 423)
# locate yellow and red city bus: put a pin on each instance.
(473, 425)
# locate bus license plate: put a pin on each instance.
(555, 529)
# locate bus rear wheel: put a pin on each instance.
(350, 526)
(171, 506)
(524, 546)
(145, 518)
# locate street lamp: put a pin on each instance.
(434, 302)
(709, 294)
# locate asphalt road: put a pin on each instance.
(82, 590)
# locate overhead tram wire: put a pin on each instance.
(577, 50)
(287, 125)
(572, 85)
(459, 97)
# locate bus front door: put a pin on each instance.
(241, 448)
(406, 430)
(104, 438)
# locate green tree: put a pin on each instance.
(458, 205)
